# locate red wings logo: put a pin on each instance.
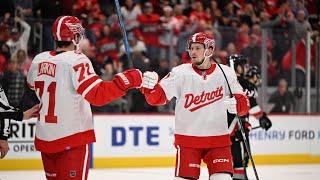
(202, 100)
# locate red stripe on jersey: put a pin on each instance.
(103, 93)
(83, 86)
(202, 141)
(65, 143)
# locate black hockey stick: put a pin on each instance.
(257, 127)
(245, 141)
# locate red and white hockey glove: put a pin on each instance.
(128, 79)
(242, 104)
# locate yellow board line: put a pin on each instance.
(287, 159)
(20, 164)
(169, 161)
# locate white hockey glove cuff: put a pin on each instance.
(150, 79)
(231, 104)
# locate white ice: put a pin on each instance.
(274, 172)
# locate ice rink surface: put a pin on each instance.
(274, 172)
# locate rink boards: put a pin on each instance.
(147, 141)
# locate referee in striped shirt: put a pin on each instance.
(8, 113)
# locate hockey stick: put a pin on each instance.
(245, 141)
(124, 33)
(257, 127)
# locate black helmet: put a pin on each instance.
(236, 60)
(253, 70)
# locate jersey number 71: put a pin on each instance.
(50, 117)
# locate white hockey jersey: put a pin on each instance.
(200, 113)
(61, 82)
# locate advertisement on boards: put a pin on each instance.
(134, 135)
(299, 134)
(21, 142)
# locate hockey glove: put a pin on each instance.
(128, 79)
(242, 104)
(150, 79)
(265, 122)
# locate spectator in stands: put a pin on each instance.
(169, 30)
(282, 98)
(179, 16)
(5, 51)
(243, 37)
(149, 32)
(24, 7)
(300, 66)
(300, 5)
(138, 54)
(198, 14)
(19, 40)
(136, 46)
(301, 25)
(107, 45)
(4, 28)
(280, 31)
(24, 61)
(130, 12)
(253, 50)
(13, 83)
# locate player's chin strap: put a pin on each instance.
(77, 43)
(245, 141)
(206, 58)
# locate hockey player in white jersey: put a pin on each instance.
(66, 85)
(201, 129)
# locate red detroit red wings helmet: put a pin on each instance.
(66, 27)
(202, 38)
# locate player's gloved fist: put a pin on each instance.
(128, 79)
(150, 79)
(231, 104)
(242, 104)
(265, 122)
